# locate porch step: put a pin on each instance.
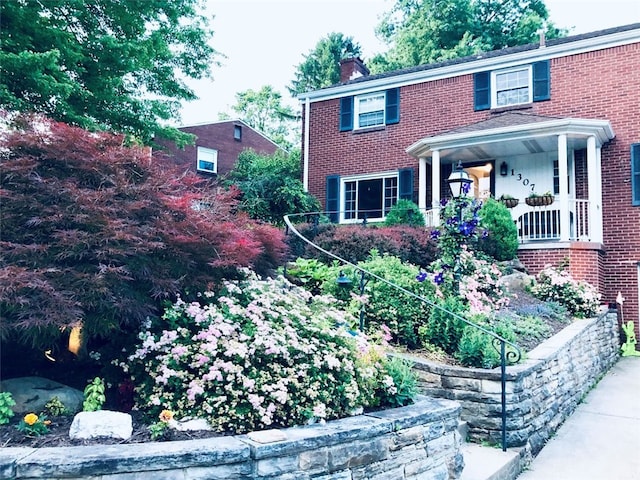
(490, 463)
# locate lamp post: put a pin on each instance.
(460, 184)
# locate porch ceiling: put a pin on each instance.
(494, 139)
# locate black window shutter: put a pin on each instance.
(541, 81)
(481, 91)
(332, 198)
(635, 174)
(405, 184)
(392, 113)
(346, 114)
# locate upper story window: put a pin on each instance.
(207, 160)
(370, 110)
(513, 86)
(237, 132)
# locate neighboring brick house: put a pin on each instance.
(217, 146)
(561, 116)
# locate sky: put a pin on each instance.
(264, 41)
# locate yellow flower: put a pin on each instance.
(166, 415)
(30, 418)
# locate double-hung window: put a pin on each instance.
(207, 160)
(512, 87)
(368, 197)
(369, 110)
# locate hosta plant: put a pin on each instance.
(257, 354)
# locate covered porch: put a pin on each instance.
(522, 156)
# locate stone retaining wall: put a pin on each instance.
(541, 392)
(407, 443)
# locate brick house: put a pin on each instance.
(217, 146)
(561, 116)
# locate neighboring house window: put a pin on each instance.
(207, 160)
(513, 86)
(351, 199)
(370, 110)
(237, 132)
(635, 174)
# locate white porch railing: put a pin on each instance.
(543, 223)
(535, 224)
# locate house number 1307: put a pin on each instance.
(525, 181)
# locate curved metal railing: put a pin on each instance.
(511, 355)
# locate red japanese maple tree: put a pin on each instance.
(98, 233)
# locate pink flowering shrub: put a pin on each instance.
(579, 297)
(259, 354)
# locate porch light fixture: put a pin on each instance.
(504, 169)
(458, 180)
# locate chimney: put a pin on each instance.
(351, 68)
(542, 39)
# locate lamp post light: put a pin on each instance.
(345, 282)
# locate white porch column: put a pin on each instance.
(594, 176)
(435, 186)
(422, 184)
(563, 170)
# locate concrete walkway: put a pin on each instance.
(601, 439)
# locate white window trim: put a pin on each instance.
(203, 153)
(494, 85)
(356, 109)
(357, 178)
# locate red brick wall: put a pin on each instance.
(599, 85)
(219, 136)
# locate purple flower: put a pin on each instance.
(443, 202)
(485, 233)
(421, 277)
(438, 279)
(466, 187)
(466, 228)
(435, 234)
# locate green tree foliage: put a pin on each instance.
(98, 234)
(501, 242)
(264, 111)
(115, 65)
(428, 31)
(321, 66)
(270, 186)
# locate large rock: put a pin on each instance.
(102, 423)
(32, 393)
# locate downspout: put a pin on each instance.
(305, 155)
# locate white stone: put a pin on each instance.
(102, 423)
(267, 436)
(190, 424)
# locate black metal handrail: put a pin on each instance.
(510, 356)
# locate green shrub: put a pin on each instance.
(404, 212)
(501, 242)
(478, 349)
(443, 329)
(258, 354)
